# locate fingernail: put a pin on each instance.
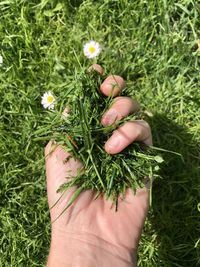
(113, 142)
(110, 117)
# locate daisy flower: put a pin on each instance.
(91, 49)
(48, 100)
(1, 60)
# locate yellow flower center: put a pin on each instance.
(92, 49)
(50, 99)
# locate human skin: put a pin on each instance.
(90, 232)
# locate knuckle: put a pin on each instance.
(127, 104)
(147, 128)
(144, 128)
(144, 124)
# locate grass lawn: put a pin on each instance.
(153, 45)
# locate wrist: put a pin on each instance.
(86, 249)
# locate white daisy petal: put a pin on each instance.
(48, 100)
(91, 49)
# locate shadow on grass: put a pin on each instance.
(175, 215)
(72, 5)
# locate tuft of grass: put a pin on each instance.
(82, 134)
(153, 45)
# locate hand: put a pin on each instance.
(90, 232)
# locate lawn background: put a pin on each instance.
(153, 45)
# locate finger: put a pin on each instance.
(112, 85)
(128, 133)
(61, 162)
(97, 68)
(121, 107)
(60, 168)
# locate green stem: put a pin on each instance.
(84, 125)
(95, 168)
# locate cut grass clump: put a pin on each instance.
(82, 134)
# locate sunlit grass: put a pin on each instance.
(153, 45)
